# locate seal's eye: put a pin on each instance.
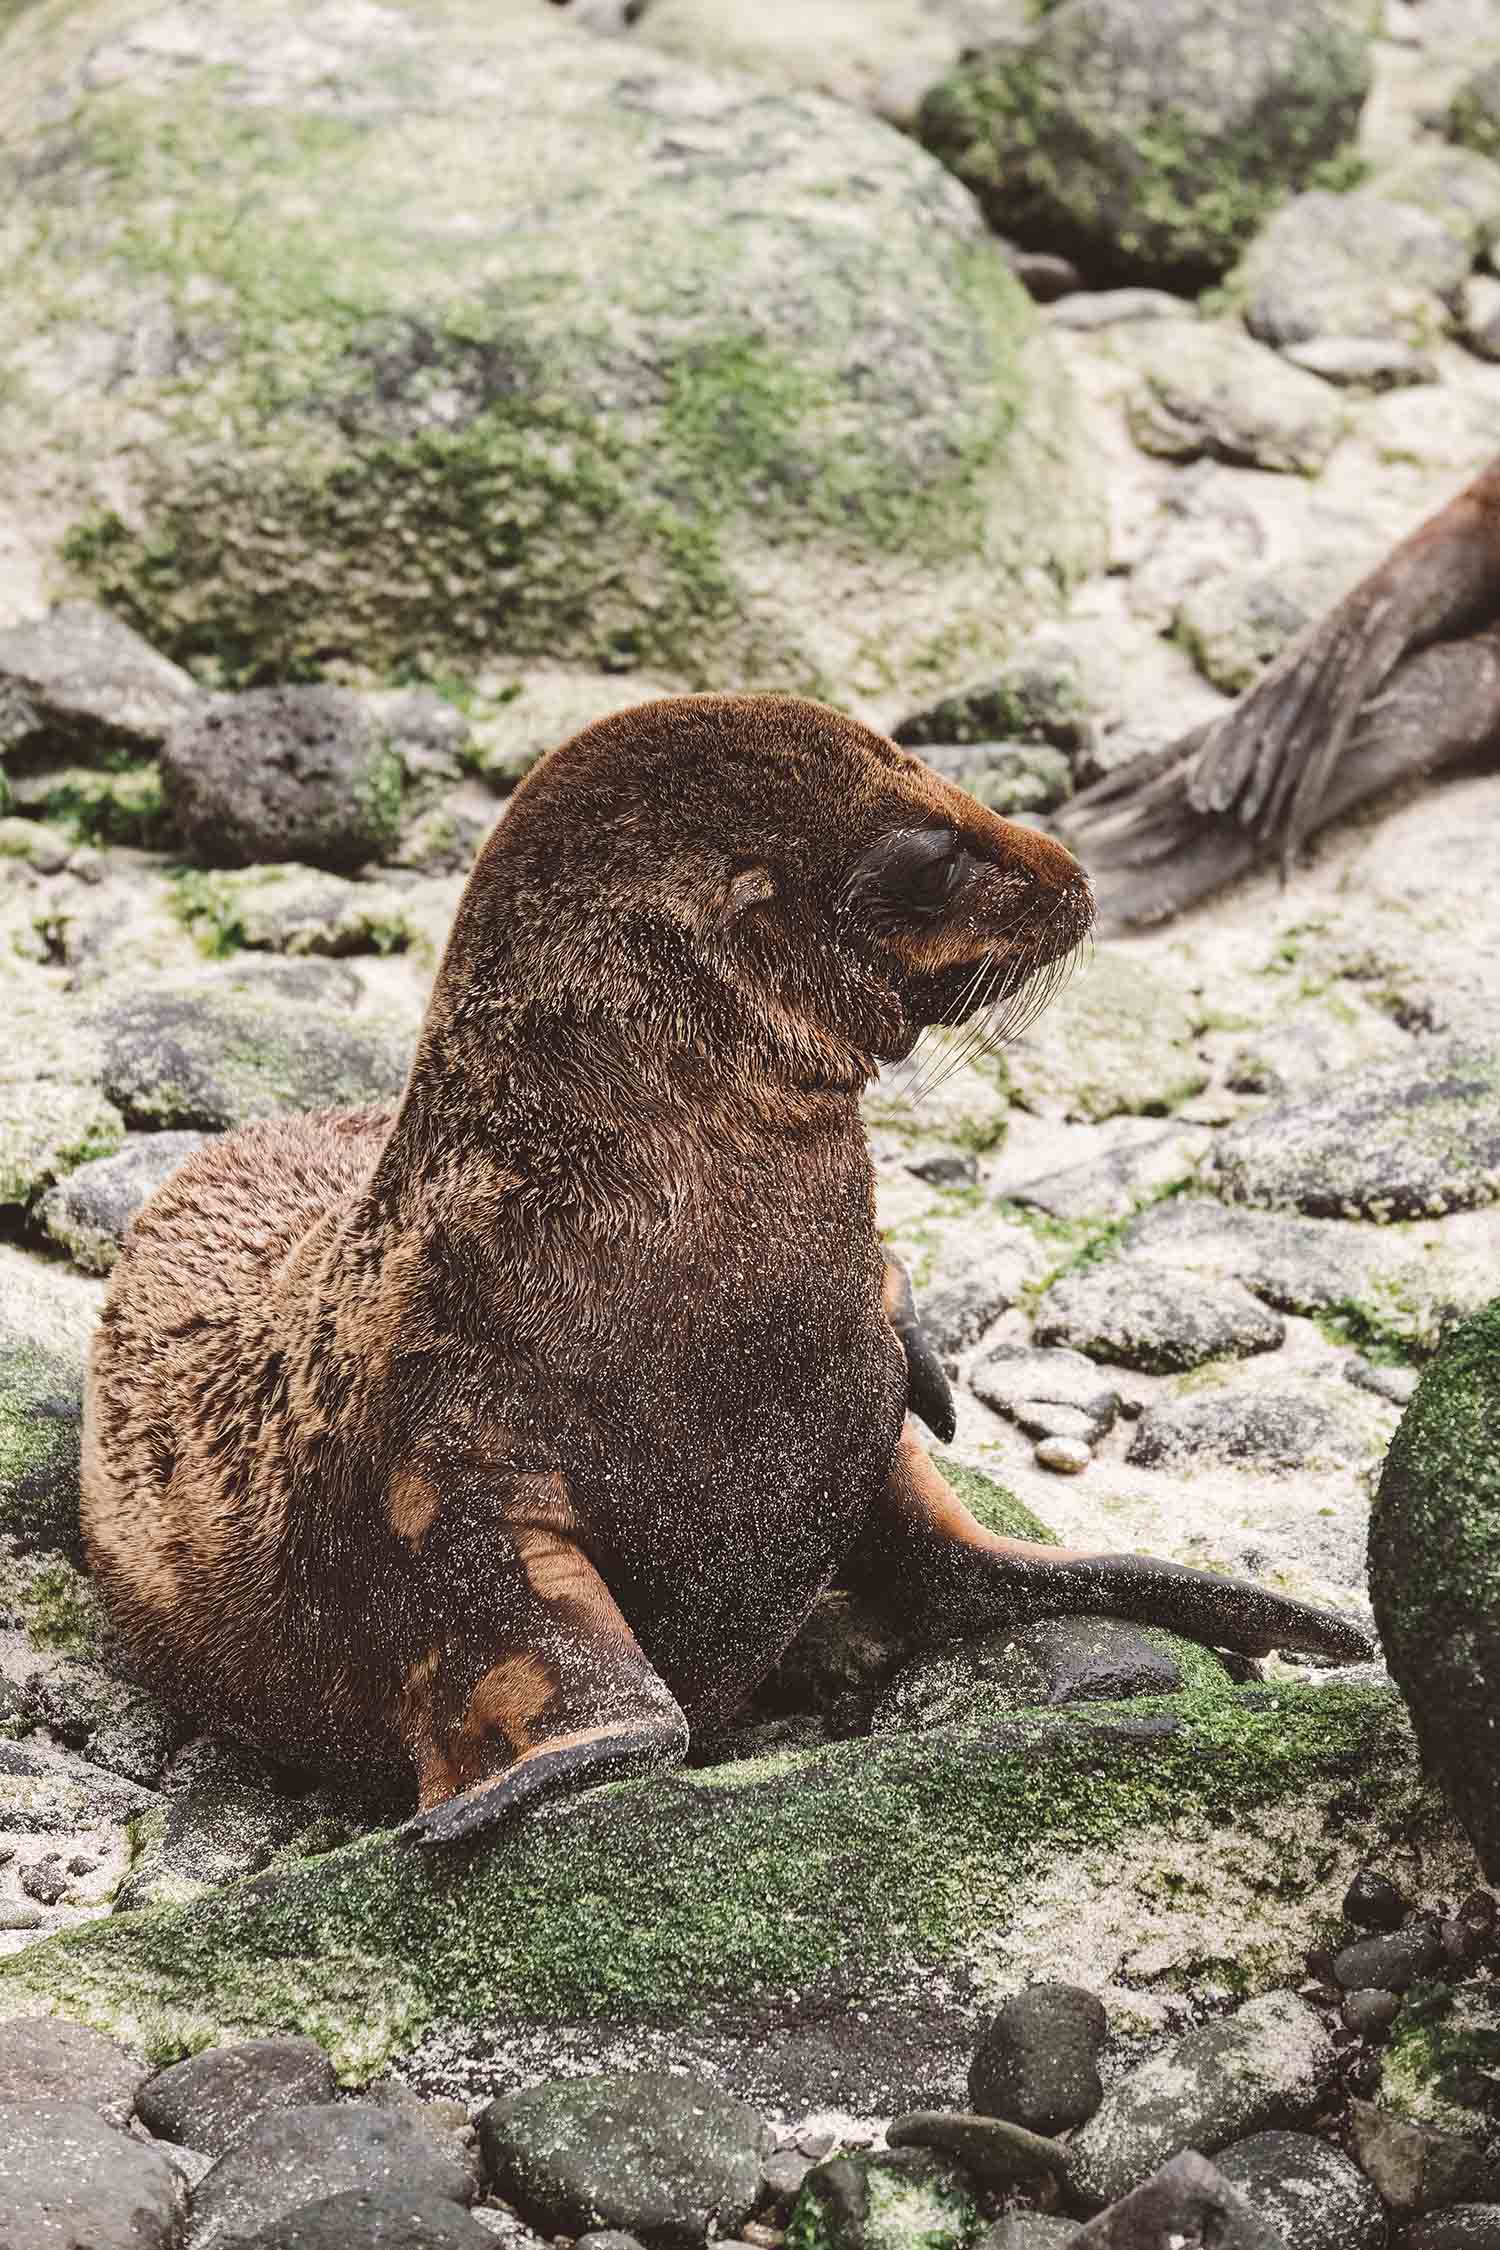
(923, 870)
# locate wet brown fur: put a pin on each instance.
(485, 1438)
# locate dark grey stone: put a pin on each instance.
(1370, 2011)
(209, 1055)
(291, 2157)
(46, 1880)
(79, 683)
(228, 1813)
(283, 773)
(68, 2181)
(1373, 1901)
(87, 1212)
(1307, 2190)
(1391, 1963)
(1297, 1265)
(1267, 2064)
(1131, 1314)
(1401, 1140)
(1038, 697)
(995, 2153)
(667, 2159)
(957, 1313)
(1467, 2226)
(46, 2058)
(1037, 2061)
(1188, 2201)
(1276, 1432)
(1047, 1393)
(211, 2100)
(1060, 1660)
(946, 1171)
(1417, 2167)
(373, 2219)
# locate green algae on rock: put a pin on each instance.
(1147, 141)
(777, 411)
(885, 2199)
(1435, 1572)
(41, 1408)
(870, 1864)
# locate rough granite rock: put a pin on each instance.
(1046, 1393)
(68, 2181)
(433, 426)
(79, 684)
(669, 2160)
(1188, 2201)
(1362, 264)
(1132, 1314)
(86, 1213)
(1145, 141)
(1434, 1560)
(217, 1052)
(1307, 2190)
(1268, 2064)
(291, 2157)
(1283, 1432)
(283, 773)
(1417, 2167)
(210, 2101)
(1205, 392)
(1117, 1041)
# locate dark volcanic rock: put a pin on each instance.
(994, 2153)
(1401, 1140)
(1467, 2226)
(1144, 139)
(1435, 1572)
(1037, 2061)
(1187, 2201)
(283, 773)
(1061, 1660)
(211, 2100)
(1307, 2190)
(667, 2159)
(1390, 1963)
(1416, 2167)
(1141, 1316)
(68, 2181)
(295, 2156)
(374, 2219)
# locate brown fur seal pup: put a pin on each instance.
(499, 1439)
(1402, 676)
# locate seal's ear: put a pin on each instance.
(746, 888)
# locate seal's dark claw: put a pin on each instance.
(551, 1771)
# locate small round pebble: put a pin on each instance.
(1395, 1962)
(1064, 1456)
(1370, 2012)
(1036, 2062)
(1373, 1902)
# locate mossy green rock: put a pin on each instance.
(41, 1409)
(450, 334)
(891, 2199)
(1147, 138)
(729, 1893)
(1435, 1573)
(1118, 1041)
(1473, 118)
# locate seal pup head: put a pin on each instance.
(762, 879)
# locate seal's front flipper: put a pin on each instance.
(532, 1683)
(929, 1561)
(928, 1392)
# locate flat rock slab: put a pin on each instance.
(79, 681)
(374, 2219)
(1047, 1393)
(1060, 1660)
(1402, 1140)
(211, 2100)
(1207, 392)
(1267, 2064)
(1281, 1431)
(1158, 1322)
(669, 2160)
(296, 2156)
(46, 2058)
(68, 2181)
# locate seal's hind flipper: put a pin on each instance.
(928, 1391)
(553, 1769)
(929, 1560)
(531, 1682)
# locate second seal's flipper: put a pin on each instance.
(533, 1683)
(941, 1571)
(928, 1391)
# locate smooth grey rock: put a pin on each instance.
(1037, 2060)
(1047, 1393)
(1394, 1384)
(666, 2159)
(1267, 2064)
(79, 683)
(46, 2058)
(1206, 392)
(1370, 2012)
(374, 2219)
(1064, 1456)
(68, 2181)
(291, 2157)
(1143, 140)
(212, 1054)
(211, 2100)
(946, 1171)
(888, 2196)
(1281, 1432)
(956, 1313)
(1363, 363)
(995, 2153)
(1403, 1140)
(1415, 2167)
(1360, 264)
(1390, 1963)
(87, 1213)
(1307, 2190)
(1188, 2201)
(1060, 1660)
(1091, 309)
(1145, 1317)
(1373, 1902)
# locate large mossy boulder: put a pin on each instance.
(1435, 1573)
(410, 339)
(728, 1908)
(1148, 138)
